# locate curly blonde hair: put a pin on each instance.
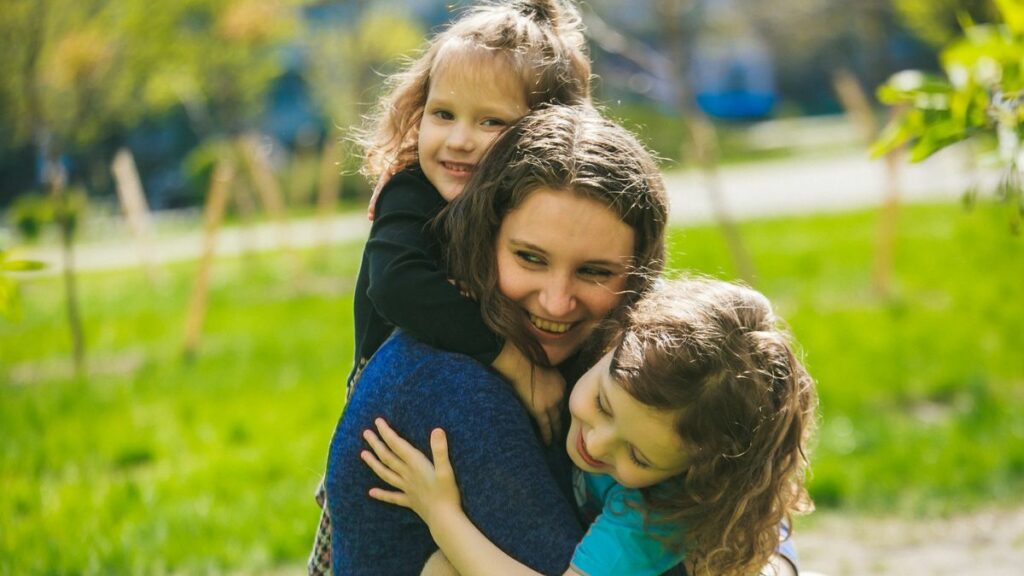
(540, 41)
(715, 354)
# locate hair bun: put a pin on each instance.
(539, 10)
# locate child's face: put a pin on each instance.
(612, 433)
(466, 109)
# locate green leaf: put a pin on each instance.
(21, 265)
(7, 295)
(911, 87)
(894, 135)
(1013, 14)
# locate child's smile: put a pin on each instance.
(613, 433)
(468, 106)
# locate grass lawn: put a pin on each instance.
(152, 464)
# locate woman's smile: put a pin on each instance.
(550, 326)
(563, 259)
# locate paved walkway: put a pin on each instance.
(792, 186)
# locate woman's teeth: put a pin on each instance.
(548, 326)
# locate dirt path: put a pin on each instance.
(985, 543)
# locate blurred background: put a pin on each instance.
(182, 220)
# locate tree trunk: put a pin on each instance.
(703, 139)
(66, 224)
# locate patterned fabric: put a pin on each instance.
(320, 558)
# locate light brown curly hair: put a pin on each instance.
(715, 354)
(540, 41)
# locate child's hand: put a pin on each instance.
(427, 489)
(540, 388)
(371, 210)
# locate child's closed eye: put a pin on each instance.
(636, 461)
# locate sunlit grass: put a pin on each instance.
(153, 464)
(922, 392)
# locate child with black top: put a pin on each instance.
(476, 78)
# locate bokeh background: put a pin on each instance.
(183, 220)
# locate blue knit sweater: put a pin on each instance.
(505, 475)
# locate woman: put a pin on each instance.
(561, 225)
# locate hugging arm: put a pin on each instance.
(407, 284)
(508, 488)
(430, 490)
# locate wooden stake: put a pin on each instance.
(213, 216)
(330, 183)
(266, 184)
(133, 202)
(857, 105)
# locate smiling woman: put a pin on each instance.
(563, 259)
(556, 253)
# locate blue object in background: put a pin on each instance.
(733, 68)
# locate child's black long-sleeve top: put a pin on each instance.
(402, 283)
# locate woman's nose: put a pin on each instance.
(557, 299)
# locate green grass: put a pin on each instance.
(922, 393)
(152, 464)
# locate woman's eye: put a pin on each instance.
(494, 123)
(601, 409)
(443, 115)
(529, 258)
(596, 273)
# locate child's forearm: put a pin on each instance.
(469, 551)
(406, 282)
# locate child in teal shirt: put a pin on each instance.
(689, 435)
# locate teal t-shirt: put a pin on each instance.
(617, 542)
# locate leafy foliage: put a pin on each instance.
(938, 21)
(981, 94)
(8, 288)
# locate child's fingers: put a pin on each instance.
(396, 498)
(439, 450)
(382, 471)
(384, 454)
(371, 211)
(402, 449)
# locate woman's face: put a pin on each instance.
(563, 259)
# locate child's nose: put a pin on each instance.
(461, 138)
(599, 442)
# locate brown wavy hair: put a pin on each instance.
(566, 148)
(715, 353)
(541, 41)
